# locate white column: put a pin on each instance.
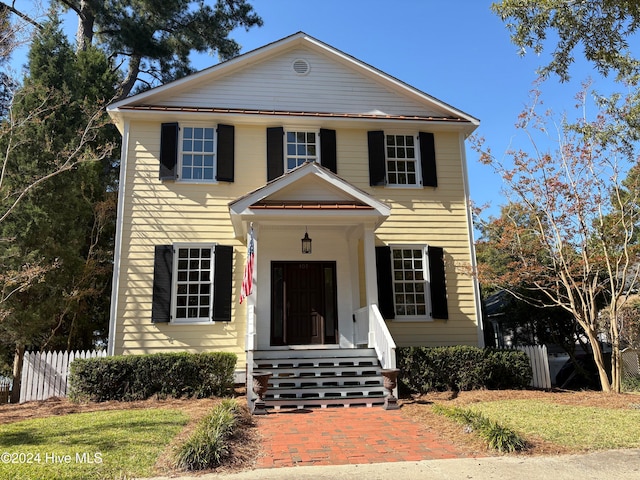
(371, 283)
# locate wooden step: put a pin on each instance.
(321, 377)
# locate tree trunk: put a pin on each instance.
(599, 359)
(616, 369)
(17, 374)
(86, 20)
(132, 76)
(614, 333)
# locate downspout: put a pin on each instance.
(117, 251)
(472, 246)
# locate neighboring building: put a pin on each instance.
(295, 139)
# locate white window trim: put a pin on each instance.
(427, 281)
(418, 153)
(299, 129)
(174, 285)
(181, 153)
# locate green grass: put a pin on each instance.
(114, 444)
(590, 428)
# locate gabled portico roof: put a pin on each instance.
(309, 193)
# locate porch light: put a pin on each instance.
(306, 243)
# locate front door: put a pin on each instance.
(303, 303)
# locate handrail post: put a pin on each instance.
(250, 346)
(380, 338)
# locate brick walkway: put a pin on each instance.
(339, 436)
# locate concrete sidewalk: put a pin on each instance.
(611, 464)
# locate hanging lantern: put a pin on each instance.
(306, 243)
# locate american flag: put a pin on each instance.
(247, 280)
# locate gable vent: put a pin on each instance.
(301, 66)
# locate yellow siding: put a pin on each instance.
(158, 213)
(434, 216)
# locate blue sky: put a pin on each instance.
(455, 50)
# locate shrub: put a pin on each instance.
(209, 445)
(462, 368)
(138, 377)
(630, 384)
(498, 437)
(506, 369)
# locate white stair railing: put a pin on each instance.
(379, 336)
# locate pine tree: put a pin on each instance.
(56, 242)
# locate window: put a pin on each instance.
(192, 283)
(193, 297)
(300, 147)
(401, 160)
(288, 149)
(409, 281)
(397, 159)
(198, 154)
(412, 282)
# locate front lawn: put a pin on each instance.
(95, 445)
(550, 422)
(579, 427)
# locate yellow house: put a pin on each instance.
(348, 187)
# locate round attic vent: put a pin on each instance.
(301, 66)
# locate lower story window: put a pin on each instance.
(409, 281)
(193, 267)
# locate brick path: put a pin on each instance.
(338, 436)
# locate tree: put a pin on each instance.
(152, 39)
(577, 249)
(523, 322)
(8, 43)
(57, 198)
(603, 28)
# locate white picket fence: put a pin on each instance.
(5, 390)
(44, 374)
(539, 359)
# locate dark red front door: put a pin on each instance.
(303, 308)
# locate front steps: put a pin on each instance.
(321, 378)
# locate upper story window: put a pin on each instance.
(402, 160)
(300, 147)
(197, 153)
(198, 156)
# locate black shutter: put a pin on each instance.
(275, 152)
(168, 150)
(225, 153)
(384, 275)
(428, 160)
(437, 283)
(377, 170)
(328, 156)
(162, 268)
(222, 283)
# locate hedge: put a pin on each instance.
(138, 377)
(458, 368)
